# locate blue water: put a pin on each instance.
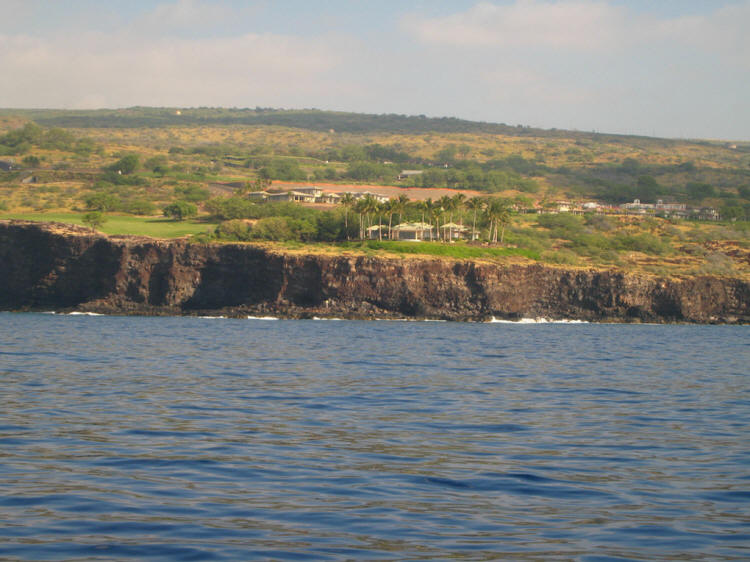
(193, 439)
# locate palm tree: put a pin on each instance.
(360, 207)
(380, 209)
(390, 209)
(403, 201)
(347, 201)
(459, 200)
(498, 213)
(370, 208)
(475, 204)
(428, 208)
(436, 211)
(446, 206)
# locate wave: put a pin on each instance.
(262, 318)
(76, 313)
(539, 320)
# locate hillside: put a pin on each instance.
(131, 163)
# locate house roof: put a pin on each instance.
(413, 226)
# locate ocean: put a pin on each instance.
(235, 439)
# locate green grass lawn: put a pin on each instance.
(158, 227)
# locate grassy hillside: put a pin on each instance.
(131, 163)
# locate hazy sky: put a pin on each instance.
(677, 68)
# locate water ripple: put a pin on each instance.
(182, 439)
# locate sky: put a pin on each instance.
(668, 68)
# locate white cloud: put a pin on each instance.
(111, 70)
(583, 25)
(188, 14)
(571, 24)
(584, 64)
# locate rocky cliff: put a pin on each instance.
(61, 267)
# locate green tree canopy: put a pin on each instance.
(180, 210)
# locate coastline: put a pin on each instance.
(63, 268)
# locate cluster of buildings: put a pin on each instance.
(660, 208)
(418, 231)
(311, 195)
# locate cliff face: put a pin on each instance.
(53, 267)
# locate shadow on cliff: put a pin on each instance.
(44, 270)
(237, 276)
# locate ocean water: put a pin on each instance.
(221, 439)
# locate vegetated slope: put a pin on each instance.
(56, 267)
(143, 170)
(310, 119)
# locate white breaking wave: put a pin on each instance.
(540, 320)
(262, 318)
(85, 314)
(212, 317)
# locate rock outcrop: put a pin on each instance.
(61, 267)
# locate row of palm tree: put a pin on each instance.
(496, 211)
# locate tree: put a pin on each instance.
(446, 206)
(498, 213)
(180, 210)
(94, 219)
(102, 202)
(360, 208)
(459, 202)
(31, 161)
(126, 165)
(389, 207)
(475, 204)
(699, 191)
(193, 193)
(347, 201)
(403, 201)
(157, 164)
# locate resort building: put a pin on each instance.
(413, 231)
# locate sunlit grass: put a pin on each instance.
(157, 227)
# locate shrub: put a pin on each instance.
(599, 222)
(717, 264)
(560, 257)
(646, 243)
(180, 210)
(228, 208)
(192, 193)
(233, 230)
(139, 207)
(127, 164)
(272, 228)
(102, 202)
(94, 219)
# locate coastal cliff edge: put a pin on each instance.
(50, 266)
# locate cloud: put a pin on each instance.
(582, 25)
(107, 70)
(573, 24)
(189, 14)
(587, 64)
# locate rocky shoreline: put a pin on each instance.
(55, 267)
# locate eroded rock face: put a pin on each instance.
(53, 267)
